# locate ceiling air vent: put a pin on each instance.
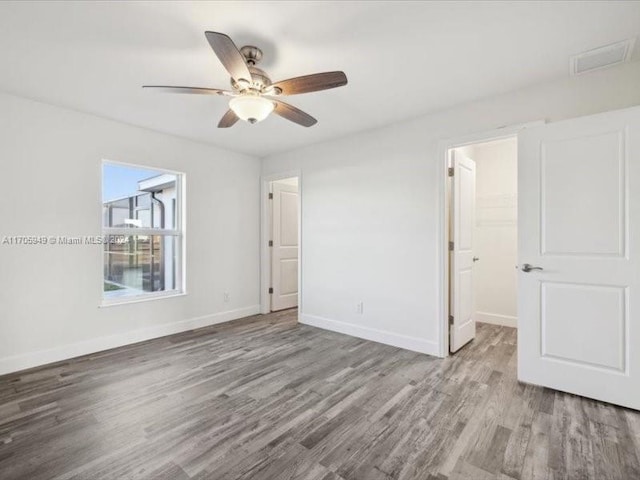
(602, 57)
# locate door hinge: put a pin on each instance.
(271, 196)
(451, 246)
(450, 319)
(270, 290)
(450, 170)
(271, 243)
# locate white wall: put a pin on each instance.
(50, 165)
(370, 207)
(496, 232)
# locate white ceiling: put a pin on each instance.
(403, 59)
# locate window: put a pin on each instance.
(142, 232)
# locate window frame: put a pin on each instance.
(179, 233)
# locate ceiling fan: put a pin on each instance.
(253, 94)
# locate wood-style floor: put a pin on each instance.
(265, 398)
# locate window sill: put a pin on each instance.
(139, 299)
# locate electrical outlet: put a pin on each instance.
(360, 308)
(226, 297)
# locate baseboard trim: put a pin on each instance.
(17, 363)
(497, 319)
(375, 335)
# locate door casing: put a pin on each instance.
(443, 208)
(265, 233)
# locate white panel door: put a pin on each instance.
(284, 254)
(579, 214)
(463, 204)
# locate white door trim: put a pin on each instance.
(265, 229)
(442, 272)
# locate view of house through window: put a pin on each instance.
(142, 231)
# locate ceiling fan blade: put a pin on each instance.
(194, 90)
(311, 83)
(228, 120)
(229, 55)
(294, 114)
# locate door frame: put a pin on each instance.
(265, 234)
(442, 280)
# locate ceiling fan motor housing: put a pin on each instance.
(259, 78)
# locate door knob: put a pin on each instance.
(475, 259)
(527, 267)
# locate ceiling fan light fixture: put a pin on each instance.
(251, 108)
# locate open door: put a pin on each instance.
(579, 255)
(284, 252)
(462, 328)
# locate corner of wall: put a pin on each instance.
(43, 357)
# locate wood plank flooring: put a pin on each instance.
(265, 398)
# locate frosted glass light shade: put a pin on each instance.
(251, 108)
